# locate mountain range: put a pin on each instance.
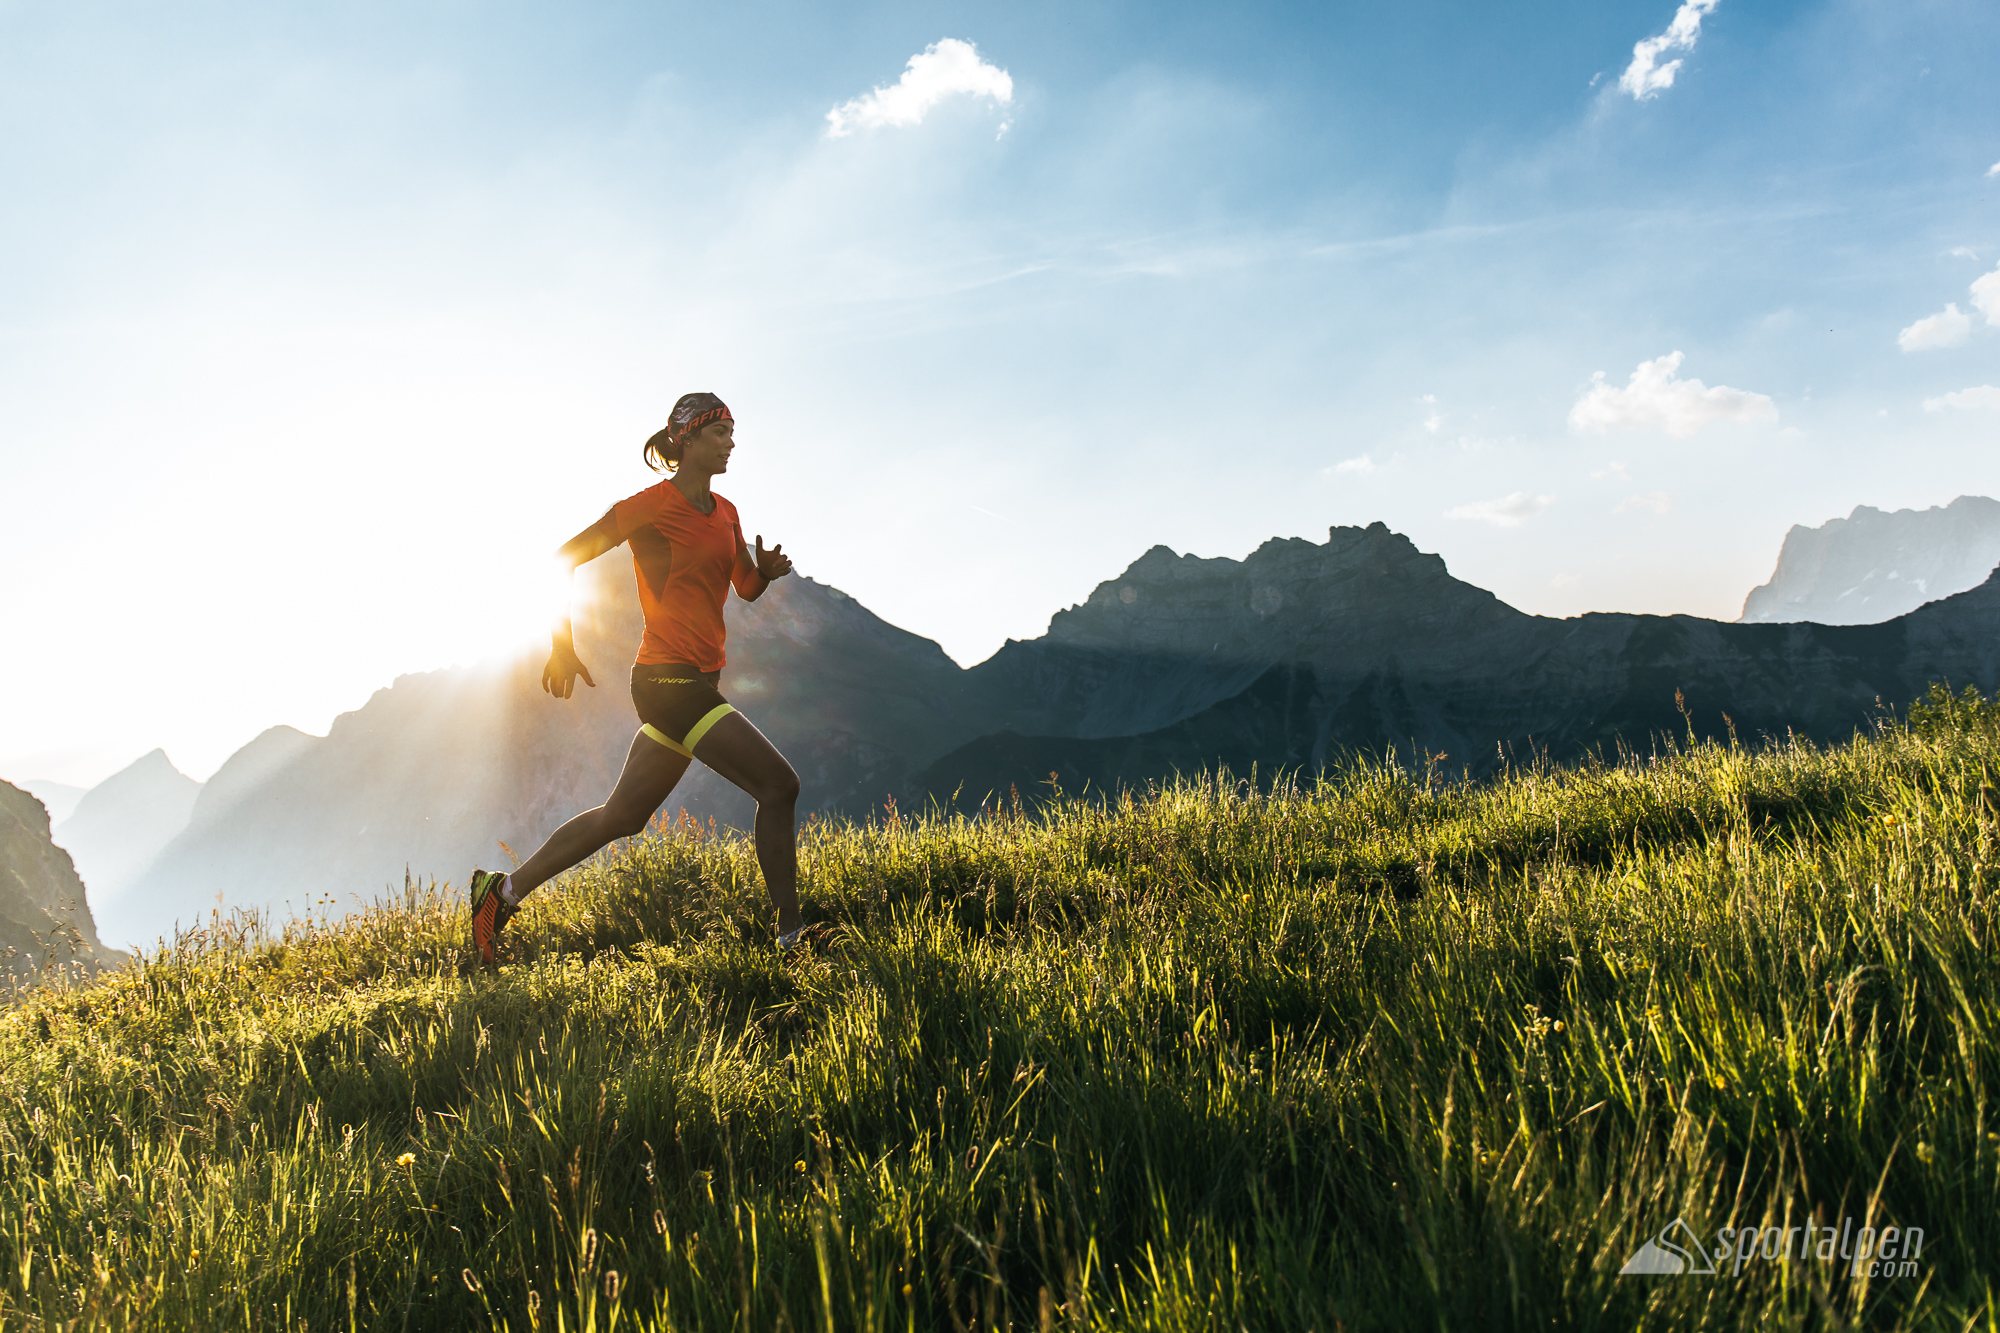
(1286, 660)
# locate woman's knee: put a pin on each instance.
(781, 788)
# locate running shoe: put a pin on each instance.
(804, 943)
(490, 912)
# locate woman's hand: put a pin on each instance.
(773, 564)
(559, 676)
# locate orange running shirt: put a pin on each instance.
(685, 561)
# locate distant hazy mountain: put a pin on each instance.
(58, 798)
(1870, 566)
(436, 772)
(121, 824)
(1287, 659)
(246, 772)
(44, 918)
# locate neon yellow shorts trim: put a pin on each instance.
(687, 743)
(653, 733)
(708, 719)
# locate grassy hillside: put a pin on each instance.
(1390, 1052)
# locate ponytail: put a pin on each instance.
(660, 453)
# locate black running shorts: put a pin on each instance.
(677, 704)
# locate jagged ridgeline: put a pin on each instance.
(1705, 1039)
(1873, 566)
(1285, 660)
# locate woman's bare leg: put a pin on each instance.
(738, 751)
(648, 778)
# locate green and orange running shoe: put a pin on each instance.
(490, 912)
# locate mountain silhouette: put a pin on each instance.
(1304, 652)
(1288, 659)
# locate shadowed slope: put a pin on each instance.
(45, 921)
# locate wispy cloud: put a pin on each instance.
(1658, 501)
(1509, 511)
(946, 68)
(1986, 395)
(1655, 397)
(1358, 467)
(1611, 472)
(1964, 252)
(1993, 171)
(1947, 328)
(1645, 77)
(1434, 418)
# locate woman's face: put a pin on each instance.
(708, 449)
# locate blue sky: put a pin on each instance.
(320, 327)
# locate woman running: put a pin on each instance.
(687, 547)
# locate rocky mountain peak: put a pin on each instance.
(1873, 565)
(1279, 595)
(124, 821)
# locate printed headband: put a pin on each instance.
(694, 411)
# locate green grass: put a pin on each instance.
(1387, 1052)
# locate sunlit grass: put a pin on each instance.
(1386, 1051)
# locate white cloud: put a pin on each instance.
(1435, 418)
(1951, 326)
(1611, 472)
(1947, 328)
(1964, 252)
(1646, 76)
(1983, 396)
(1993, 171)
(942, 69)
(1359, 467)
(1658, 501)
(1986, 296)
(1509, 511)
(1656, 398)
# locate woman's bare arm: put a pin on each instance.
(564, 666)
(756, 572)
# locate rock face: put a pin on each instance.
(1870, 566)
(44, 919)
(121, 824)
